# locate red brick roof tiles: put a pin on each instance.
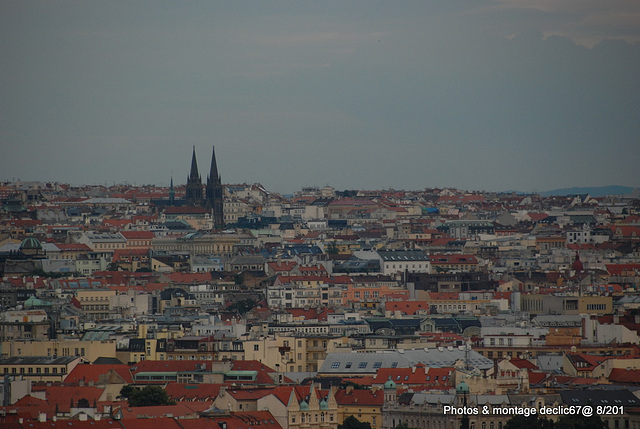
(360, 397)
(407, 307)
(61, 396)
(625, 376)
(137, 235)
(193, 392)
(94, 373)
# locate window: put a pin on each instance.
(377, 365)
(362, 365)
(335, 365)
(348, 365)
(256, 347)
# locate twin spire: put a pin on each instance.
(213, 196)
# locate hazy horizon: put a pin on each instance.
(488, 95)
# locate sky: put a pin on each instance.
(494, 95)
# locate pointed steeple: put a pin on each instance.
(193, 194)
(194, 167)
(214, 194)
(213, 173)
(172, 193)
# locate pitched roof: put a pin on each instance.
(193, 392)
(249, 394)
(407, 307)
(419, 374)
(97, 373)
(360, 397)
(625, 376)
(180, 409)
(137, 235)
(61, 396)
(522, 363)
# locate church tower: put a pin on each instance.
(213, 194)
(193, 195)
(172, 193)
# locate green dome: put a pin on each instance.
(324, 405)
(30, 243)
(462, 387)
(390, 384)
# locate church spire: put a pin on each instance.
(194, 167)
(213, 173)
(172, 193)
(193, 194)
(213, 194)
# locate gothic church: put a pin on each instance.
(212, 198)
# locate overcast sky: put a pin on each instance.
(481, 95)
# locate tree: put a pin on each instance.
(242, 306)
(127, 391)
(148, 396)
(353, 423)
(332, 249)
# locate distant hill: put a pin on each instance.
(594, 191)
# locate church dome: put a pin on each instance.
(30, 243)
(390, 384)
(462, 387)
(577, 264)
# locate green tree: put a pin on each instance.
(332, 249)
(127, 391)
(353, 423)
(242, 306)
(148, 396)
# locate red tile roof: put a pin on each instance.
(73, 247)
(193, 392)
(61, 396)
(117, 222)
(624, 376)
(522, 363)
(407, 307)
(94, 373)
(178, 277)
(236, 420)
(72, 424)
(283, 393)
(537, 377)
(365, 398)
(137, 235)
(420, 374)
(282, 266)
(622, 269)
(249, 394)
(180, 409)
(152, 421)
